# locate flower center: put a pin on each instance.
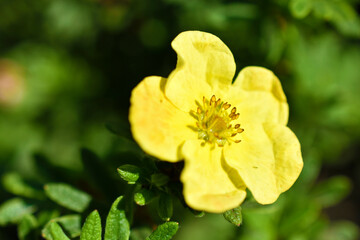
(214, 122)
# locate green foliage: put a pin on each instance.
(57, 233)
(234, 216)
(92, 227)
(67, 196)
(129, 173)
(14, 184)
(117, 225)
(165, 207)
(144, 196)
(164, 231)
(69, 223)
(13, 210)
(27, 226)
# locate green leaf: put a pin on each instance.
(197, 213)
(70, 223)
(144, 196)
(332, 191)
(159, 179)
(92, 227)
(14, 184)
(164, 232)
(165, 207)
(234, 216)
(13, 210)
(117, 226)
(57, 233)
(67, 196)
(129, 173)
(26, 226)
(300, 8)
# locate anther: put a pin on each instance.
(213, 98)
(233, 110)
(237, 126)
(226, 106)
(233, 135)
(198, 110)
(237, 141)
(218, 102)
(235, 116)
(240, 130)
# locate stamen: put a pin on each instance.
(214, 122)
(240, 130)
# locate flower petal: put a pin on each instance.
(258, 95)
(268, 159)
(205, 67)
(207, 185)
(157, 125)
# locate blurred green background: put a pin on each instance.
(67, 68)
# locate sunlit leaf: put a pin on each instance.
(117, 226)
(92, 227)
(164, 231)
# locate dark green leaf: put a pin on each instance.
(164, 232)
(26, 226)
(117, 226)
(159, 179)
(92, 227)
(196, 213)
(13, 210)
(234, 216)
(57, 233)
(129, 173)
(165, 207)
(67, 196)
(144, 197)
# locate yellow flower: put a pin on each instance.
(232, 136)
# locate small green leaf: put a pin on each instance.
(14, 184)
(300, 8)
(234, 216)
(26, 226)
(129, 173)
(117, 226)
(92, 227)
(332, 191)
(164, 232)
(57, 233)
(165, 207)
(13, 210)
(144, 197)
(67, 196)
(196, 213)
(159, 179)
(70, 223)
